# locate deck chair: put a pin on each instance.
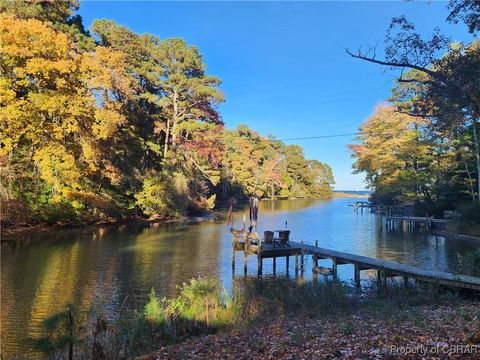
(284, 237)
(268, 238)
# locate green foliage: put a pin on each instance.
(255, 165)
(154, 198)
(153, 310)
(470, 214)
(163, 194)
(469, 264)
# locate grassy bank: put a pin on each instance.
(259, 311)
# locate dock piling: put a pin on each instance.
(296, 265)
(357, 275)
(260, 265)
(334, 267)
(245, 258)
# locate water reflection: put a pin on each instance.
(40, 274)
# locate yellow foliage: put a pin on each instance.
(107, 122)
(57, 167)
(59, 101)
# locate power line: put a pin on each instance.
(315, 137)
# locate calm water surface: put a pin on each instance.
(114, 266)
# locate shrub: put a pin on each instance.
(153, 310)
(163, 195)
(469, 264)
(470, 213)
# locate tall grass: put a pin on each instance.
(203, 306)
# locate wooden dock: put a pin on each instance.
(412, 221)
(361, 205)
(390, 269)
(384, 269)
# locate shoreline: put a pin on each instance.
(344, 195)
(11, 234)
(455, 235)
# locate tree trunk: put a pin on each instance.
(470, 180)
(174, 122)
(167, 138)
(477, 156)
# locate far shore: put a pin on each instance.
(341, 194)
(13, 233)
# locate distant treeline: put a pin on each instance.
(109, 123)
(423, 146)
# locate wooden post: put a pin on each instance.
(245, 256)
(233, 260)
(274, 265)
(379, 279)
(334, 267)
(260, 265)
(315, 262)
(296, 265)
(287, 260)
(357, 275)
(302, 264)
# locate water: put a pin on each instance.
(115, 266)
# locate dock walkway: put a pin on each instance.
(390, 268)
(384, 268)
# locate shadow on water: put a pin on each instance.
(118, 265)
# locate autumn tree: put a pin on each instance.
(174, 107)
(439, 83)
(59, 107)
(393, 155)
(266, 167)
(115, 123)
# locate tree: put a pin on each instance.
(174, 106)
(394, 156)
(59, 107)
(121, 124)
(269, 168)
(444, 89)
(467, 11)
(187, 92)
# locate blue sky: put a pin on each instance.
(283, 65)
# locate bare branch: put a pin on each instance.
(393, 64)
